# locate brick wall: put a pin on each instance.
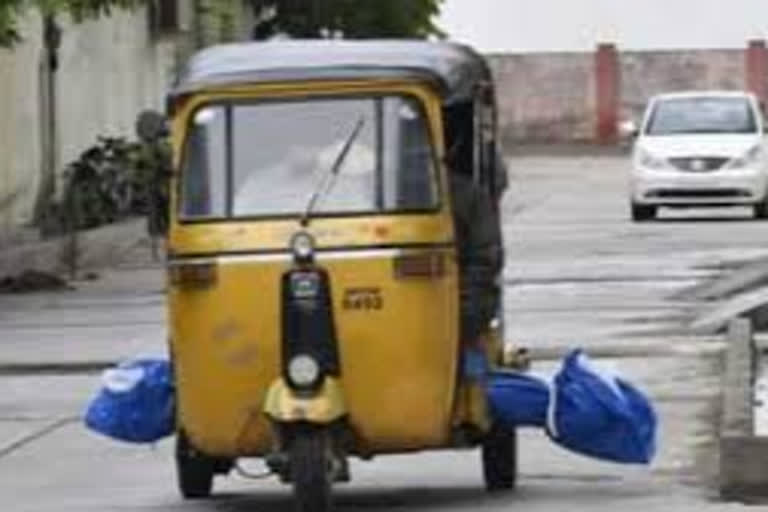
(578, 97)
(647, 73)
(545, 96)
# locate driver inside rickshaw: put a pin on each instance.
(478, 230)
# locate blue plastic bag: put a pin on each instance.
(583, 410)
(600, 415)
(136, 402)
(518, 400)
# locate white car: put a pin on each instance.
(699, 149)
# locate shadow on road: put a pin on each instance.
(705, 219)
(359, 499)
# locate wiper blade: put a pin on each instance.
(327, 183)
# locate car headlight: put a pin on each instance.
(650, 161)
(303, 246)
(303, 371)
(751, 157)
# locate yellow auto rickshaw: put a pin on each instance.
(327, 298)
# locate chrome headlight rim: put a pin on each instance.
(303, 246)
(303, 371)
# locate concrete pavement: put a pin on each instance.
(118, 316)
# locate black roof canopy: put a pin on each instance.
(456, 69)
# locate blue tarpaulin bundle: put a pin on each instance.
(518, 399)
(135, 403)
(583, 410)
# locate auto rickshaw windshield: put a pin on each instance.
(267, 158)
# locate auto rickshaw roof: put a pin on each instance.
(456, 69)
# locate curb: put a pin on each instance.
(716, 319)
(57, 369)
(103, 247)
(743, 455)
(740, 280)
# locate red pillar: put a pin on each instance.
(608, 85)
(757, 69)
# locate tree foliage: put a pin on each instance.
(298, 18)
(11, 10)
(353, 19)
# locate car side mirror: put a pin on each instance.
(628, 129)
(151, 126)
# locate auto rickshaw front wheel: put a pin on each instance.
(499, 453)
(195, 471)
(311, 462)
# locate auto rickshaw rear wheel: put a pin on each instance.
(499, 453)
(311, 469)
(195, 471)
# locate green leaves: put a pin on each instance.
(85, 9)
(354, 19)
(11, 10)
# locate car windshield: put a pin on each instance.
(268, 158)
(682, 116)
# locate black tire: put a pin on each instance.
(311, 470)
(761, 210)
(499, 453)
(643, 213)
(194, 470)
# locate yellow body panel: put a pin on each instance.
(398, 362)
(322, 407)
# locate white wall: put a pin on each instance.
(20, 139)
(577, 25)
(109, 70)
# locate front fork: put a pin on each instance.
(294, 413)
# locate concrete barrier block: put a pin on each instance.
(738, 377)
(744, 468)
(743, 456)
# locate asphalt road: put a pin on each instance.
(579, 275)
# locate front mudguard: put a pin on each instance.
(322, 407)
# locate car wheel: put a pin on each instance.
(641, 212)
(761, 209)
(195, 471)
(311, 470)
(499, 456)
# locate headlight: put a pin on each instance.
(303, 371)
(650, 161)
(303, 246)
(751, 157)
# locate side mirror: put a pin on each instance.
(151, 125)
(628, 129)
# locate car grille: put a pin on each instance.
(699, 164)
(724, 193)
